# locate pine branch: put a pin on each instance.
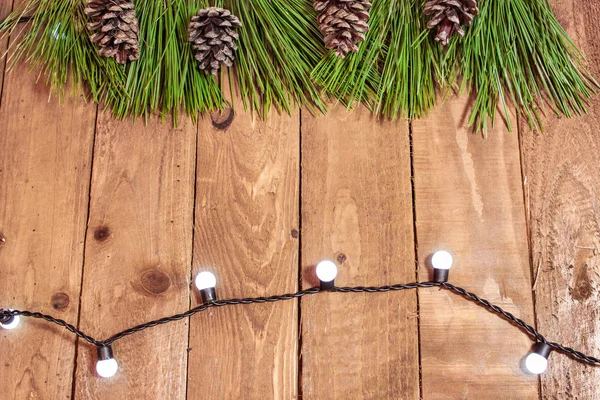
(55, 43)
(517, 54)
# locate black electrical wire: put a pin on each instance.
(6, 315)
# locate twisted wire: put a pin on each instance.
(522, 324)
(492, 307)
(203, 307)
(5, 315)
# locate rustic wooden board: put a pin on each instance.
(45, 158)
(469, 201)
(562, 186)
(138, 257)
(247, 197)
(357, 210)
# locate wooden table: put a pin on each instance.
(104, 223)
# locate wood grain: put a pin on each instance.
(469, 201)
(356, 209)
(45, 158)
(562, 184)
(247, 198)
(138, 257)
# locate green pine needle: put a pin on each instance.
(278, 48)
(407, 86)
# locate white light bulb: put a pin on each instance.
(13, 323)
(107, 368)
(441, 260)
(205, 280)
(326, 271)
(536, 363)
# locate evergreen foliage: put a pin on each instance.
(515, 54)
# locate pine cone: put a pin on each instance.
(343, 23)
(213, 36)
(448, 16)
(115, 29)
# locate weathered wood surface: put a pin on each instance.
(45, 161)
(469, 201)
(246, 232)
(562, 186)
(357, 210)
(138, 257)
(260, 234)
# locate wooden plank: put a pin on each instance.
(562, 183)
(45, 162)
(357, 209)
(138, 257)
(469, 201)
(246, 233)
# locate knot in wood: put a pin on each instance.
(102, 233)
(155, 281)
(60, 301)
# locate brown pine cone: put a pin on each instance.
(213, 36)
(448, 16)
(115, 29)
(343, 23)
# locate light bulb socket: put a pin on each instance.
(543, 349)
(7, 319)
(327, 285)
(208, 295)
(105, 353)
(440, 275)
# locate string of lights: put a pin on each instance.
(536, 361)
